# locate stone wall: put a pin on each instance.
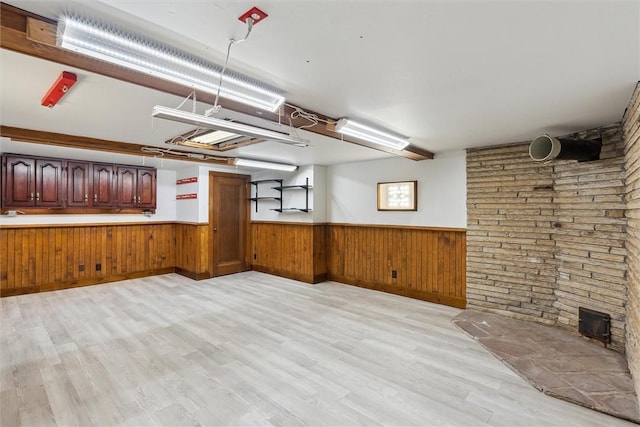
(589, 235)
(511, 268)
(546, 238)
(631, 131)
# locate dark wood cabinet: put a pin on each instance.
(126, 190)
(32, 182)
(49, 184)
(103, 185)
(63, 185)
(136, 187)
(147, 185)
(18, 182)
(79, 184)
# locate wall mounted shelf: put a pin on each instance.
(280, 188)
(274, 198)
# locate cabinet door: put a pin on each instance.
(78, 184)
(147, 188)
(103, 186)
(19, 184)
(49, 188)
(126, 188)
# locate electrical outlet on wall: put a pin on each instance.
(394, 274)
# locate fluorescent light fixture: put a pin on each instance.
(212, 123)
(368, 133)
(138, 53)
(264, 165)
(215, 137)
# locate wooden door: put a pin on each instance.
(147, 188)
(228, 222)
(103, 185)
(19, 184)
(49, 188)
(78, 184)
(126, 188)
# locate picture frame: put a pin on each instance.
(398, 196)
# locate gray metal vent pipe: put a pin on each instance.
(547, 147)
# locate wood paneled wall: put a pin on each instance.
(430, 264)
(41, 258)
(192, 250)
(293, 250)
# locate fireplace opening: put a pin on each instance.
(594, 324)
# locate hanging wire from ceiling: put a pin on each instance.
(192, 95)
(185, 137)
(295, 114)
(216, 107)
(298, 112)
(199, 156)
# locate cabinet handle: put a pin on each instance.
(38, 196)
(86, 198)
(134, 199)
(139, 199)
(95, 197)
(31, 196)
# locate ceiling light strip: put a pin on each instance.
(212, 123)
(371, 134)
(238, 161)
(137, 53)
(213, 137)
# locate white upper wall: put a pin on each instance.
(442, 191)
(291, 198)
(188, 210)
(343, 193)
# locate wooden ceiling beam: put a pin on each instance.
(95, 144)
(33, 35)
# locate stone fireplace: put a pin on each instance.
(545, 240)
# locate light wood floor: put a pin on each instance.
(254, 349)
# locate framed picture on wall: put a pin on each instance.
(398, 196)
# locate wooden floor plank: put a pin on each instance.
(254, 349)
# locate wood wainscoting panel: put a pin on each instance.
(429, 264)
(40, 258)
(192, 250)
(293, 250)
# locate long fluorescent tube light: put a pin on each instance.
(138, 53)
(212, 123)
(368, 133)
(213, 137)
(263, 165)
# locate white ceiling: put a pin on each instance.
(450, 74)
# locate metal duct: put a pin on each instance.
(547, 147)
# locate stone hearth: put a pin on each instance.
(557, 362)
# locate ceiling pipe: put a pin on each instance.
(545, 148)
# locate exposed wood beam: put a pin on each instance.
(95, 144)
(33, 35)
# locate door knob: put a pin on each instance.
(215, 228)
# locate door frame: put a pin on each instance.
(247, 207)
